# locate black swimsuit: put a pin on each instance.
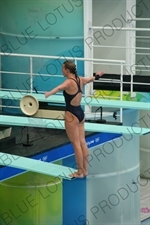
(75, 110)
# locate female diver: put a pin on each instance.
(74, 115)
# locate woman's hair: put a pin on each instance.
(71, 66)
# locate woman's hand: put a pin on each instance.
(46, 94)
(100, 73)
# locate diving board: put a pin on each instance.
(88, 100)
(59, 124)
(36, 166)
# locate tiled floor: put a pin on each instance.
(145, 201)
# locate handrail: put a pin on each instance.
(43, 37)
(57, 57)
(143, 53)
(123, 47)
(102, 80)
(119, 28)
(139, 37)
(141, 19)
(22, 73)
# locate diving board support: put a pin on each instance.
(59, 124)
(30, 106)
(5, 131)
(36, 166)
(50, 114)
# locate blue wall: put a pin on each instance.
(40, 28)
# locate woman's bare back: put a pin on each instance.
(73, 89)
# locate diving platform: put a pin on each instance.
(59, 124)
(36, 166)
(86, 101)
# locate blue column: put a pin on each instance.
(74, 198)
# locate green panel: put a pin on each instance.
(30, 199)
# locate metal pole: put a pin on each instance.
(31, 75)
(121, 92)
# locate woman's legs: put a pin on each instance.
(84, 147)
(72, 130)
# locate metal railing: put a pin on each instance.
(131, 47)
(31, 74)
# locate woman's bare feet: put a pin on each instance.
(77, 175)
(85, 173)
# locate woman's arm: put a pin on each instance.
(60, 87)
(86, 80)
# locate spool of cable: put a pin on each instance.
(29, 105)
